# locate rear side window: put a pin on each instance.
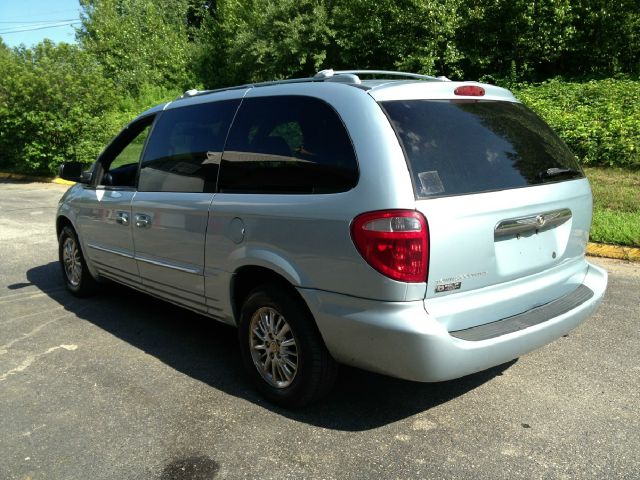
(184, 150)
(287, 144)
(460, 147)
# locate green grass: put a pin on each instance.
(616, 206)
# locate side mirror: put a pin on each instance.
(73, 171)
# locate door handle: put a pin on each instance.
(122, 218)
(142, 220)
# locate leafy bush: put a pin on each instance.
(599, 119)
(128, 106)
(56, 105)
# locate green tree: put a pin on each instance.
(536, 40)
(410, 35)
(52, 104)
(140, 42)
(607, 38)
(516, 39)
(261, 40)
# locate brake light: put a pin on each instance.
(469, 91)
(394, 242)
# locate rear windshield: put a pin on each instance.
(458, 147)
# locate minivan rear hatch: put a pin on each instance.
(507, 205)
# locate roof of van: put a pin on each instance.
(388, 86)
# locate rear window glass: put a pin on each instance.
(459, 147)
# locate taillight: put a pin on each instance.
(469, 91)
(394, 242)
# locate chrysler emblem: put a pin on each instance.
(540, 220)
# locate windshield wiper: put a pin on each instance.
(555, 171)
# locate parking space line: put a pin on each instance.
(3, 348)
(22, 317)
(26, 295)
(27, 362)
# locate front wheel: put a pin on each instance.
(282, 349)
(77, 277)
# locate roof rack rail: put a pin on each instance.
(327, 74)
(197, 93)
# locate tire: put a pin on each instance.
(75, 273)
(274, 323)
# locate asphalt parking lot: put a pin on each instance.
(122, 386)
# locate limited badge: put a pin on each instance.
(447, 287)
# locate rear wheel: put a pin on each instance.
(77, 277)
(282, 349)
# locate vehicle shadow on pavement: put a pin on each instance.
(207, 351)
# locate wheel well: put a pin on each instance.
(248, 278)
(62, 222)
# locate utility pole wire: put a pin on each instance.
(39, 28)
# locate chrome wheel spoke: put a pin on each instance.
(258, 332)
(270, 318)
(289, 363)
(281, 372)
(267, 364)
(283, 330)
(288, 373)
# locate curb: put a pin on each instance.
(61, 181)
(631, 254)
(32, 178)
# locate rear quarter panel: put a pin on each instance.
(306, 238)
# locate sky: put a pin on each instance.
(31, 21)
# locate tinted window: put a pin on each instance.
(288, 144)
(183, 153)
(458, 147)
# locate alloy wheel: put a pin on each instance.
(273, 347)
(71, 259)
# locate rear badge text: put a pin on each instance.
(447, 287)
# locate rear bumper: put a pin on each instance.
(402, 340)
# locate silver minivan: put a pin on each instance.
(404, 224)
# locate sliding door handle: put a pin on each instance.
(142, 220)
